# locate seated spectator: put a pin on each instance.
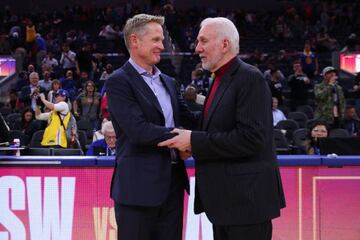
(13, 101)
(60, 122)
(351, 121)
(318, 130)
(278, 115)
(200, 81)
(27, 124)
(4, 130)
(98, 134)
(104, 107)
(267, 73)
(106, 146)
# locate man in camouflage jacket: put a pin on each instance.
(329, 99)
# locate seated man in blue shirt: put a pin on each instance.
(106, 146)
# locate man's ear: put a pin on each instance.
(226, 45)
(133, 39)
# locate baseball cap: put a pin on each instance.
(328, 69)
(62, 92)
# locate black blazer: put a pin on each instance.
(237, 175)
(143, 170)
(25, 96)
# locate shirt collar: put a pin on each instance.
(142, 71)
(222, 70)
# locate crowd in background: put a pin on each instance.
(69, 49)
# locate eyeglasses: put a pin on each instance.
(110, 137)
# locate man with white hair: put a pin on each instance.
(238, 182)
(105, 146)
(29, 94)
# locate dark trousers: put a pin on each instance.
(261, 231)
(154, 223)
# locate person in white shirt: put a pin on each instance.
(67, 59)
(46, 82)
(278, 115)
(60, 105)
(50, 60)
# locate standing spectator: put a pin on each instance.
(30, 35)
(46, 82)
(105, 75)
(68, 83)
(59, 121)
(351, 121)
(40, 45)
(55, 86)
(87, 105)
(67, 60)
(299, 85)
(329, 99)
(278, 115)
(50, 60)
(276, 86)
(30, 93)
(85, 61)
(309, 61)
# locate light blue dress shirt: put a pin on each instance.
(159, 90)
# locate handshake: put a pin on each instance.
(182, 142)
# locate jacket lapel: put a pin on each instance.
(142, 86)
(224, 84)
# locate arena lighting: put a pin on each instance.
(350, 62)
(7, 66)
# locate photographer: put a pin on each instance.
(61, 130)
(29, 94)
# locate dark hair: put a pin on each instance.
(24, 111)
(317, 123)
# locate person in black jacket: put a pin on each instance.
(238, 183)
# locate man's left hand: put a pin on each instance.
(181, 141)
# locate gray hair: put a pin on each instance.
(33, 74)
(107, 127)
(137, 25)
(225, 29)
